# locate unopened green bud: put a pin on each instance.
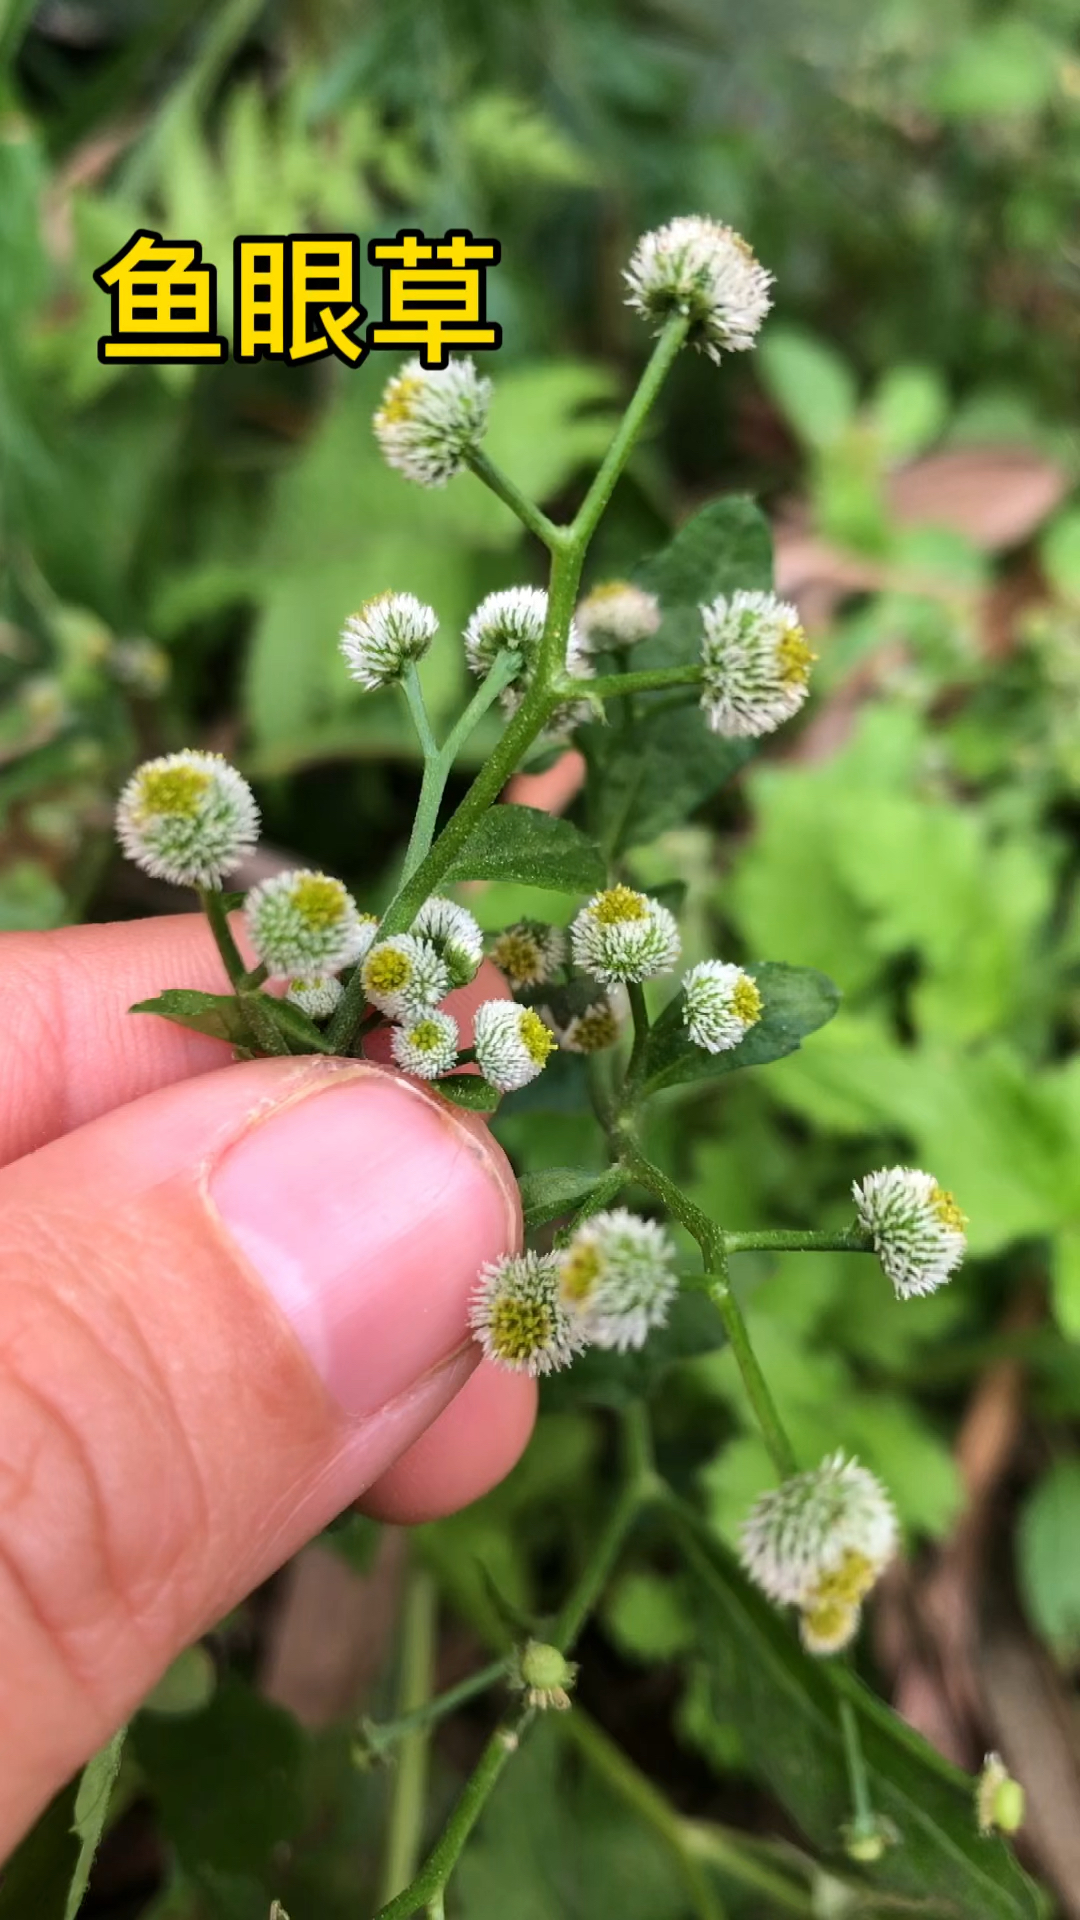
(999, 1799)
(546, 1675)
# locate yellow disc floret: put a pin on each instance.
(176, 789)
(617, 904)
(579, 1271)
(398, 401)
(519, 1328)
(319, 900)
(948, 1211)
(746, 1000)
(537, 1039)
(794, 657)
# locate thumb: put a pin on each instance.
(226, 1309)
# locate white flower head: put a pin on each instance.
(819, 1541)
(617, 1278)
(512, 620)
(455, 935)
(430, 419)
(756, 664)
(999, 1799)
(597, 1026)
(916, 1226)
(616, 614)
(516, 1316)
(707, 271)
(623, 935)
(426, 1047)
(303, 923)
(511, 1043)
(405, 976)
(529, 953)
(188, 817)
(316, 995)
(722, 1003)
(390, 630)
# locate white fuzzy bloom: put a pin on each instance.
(512, 620)
(516, 1316)
(819, 1541)
(188, 817)
(756, 664)
(596, 1027)
(529, 953)
(405, 977)
(616, 614)
(388, 632)
(511, 1043)
(426, 1047)
(617, 1278)
(455, 935)
(302, 923)
(623, 935)
(916, 1226)
(317, 996)
(430, 419)
(707, 271)
(721, 1004)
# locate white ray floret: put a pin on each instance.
(616, 614)
(455, 934)
(819, 1541)
(516, 1316)
(721, 1004)
(317, 995)
(303, 923)
(387, 633)
(188, 818)
(430, 420)
(916, 1226)
(404, 977)
(700, 268)
(617, 1278)
(512, 1044)
(426, 1047)
(621, 935)
(755, 664)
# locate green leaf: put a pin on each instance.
(910, 408)
(813, 388)
(299, 1030)
(725, 545)
(784, 1704)
(667, 767)
(1048, 1543)
(553, 1191)
(520, 843)
(218, 1014)
(602, 1379)
(91, 1809)
(795, 1002)
(470, 1091)
(187, 1686)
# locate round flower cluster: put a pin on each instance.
(596, 1026)
(616, 614)
(621, 935)
(518, 1318)
(426, 1047)
(916, 1227)
(511, 1044)
(188, 818)
(455, 936)
(706, 271)
(721, 1004)
(305, 923)
(755, 664)
(512, 620)
(430, 420)
(819, 1542)
(317, 995)
(405, 977)
(388, 632)
(529, 953)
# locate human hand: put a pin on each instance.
(232, 1302)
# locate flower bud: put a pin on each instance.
(389, 631)
(517, 1318)
(455, 936)
(188, 817)
(722, 1003)
(700, 268)
(616, 614)
(544, 1675)
(529, 953)
(916, 1226)
(591, 1027)
(430, 420)
(512, 1044)
(306, 923)
(405, 977)
(317, 995)
(621, 935)
(999, 1799)
(426, 1047)
(617, 1279)
(819, 1542)
(756, 664)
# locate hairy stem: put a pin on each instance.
(646, 680)
(865, 1823)
(844, 1240)
(213, 905)
(512, 497)
(656, 372)
(406, 1823)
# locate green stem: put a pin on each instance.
(639, 1486)
(512, 497)
(213, 905)
(865, 1823)
(731, 1853)
(638, 1791)
(438, 768)
(646, 680)
(380, 1736)
(844, 1240)
(711, 1240)
(656, 372)
(607, 1188)
(504, 668)
(414, 694)
(406, 1823)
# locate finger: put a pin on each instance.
(71, 1048)
(226, 1310)
(463, 1454)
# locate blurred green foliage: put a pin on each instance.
(177, 551)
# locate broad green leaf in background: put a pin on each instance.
(537, 849)
(725, 545)
(553, 1191)
(784, 1704)
(91, 1811)
(796, 1001)
(1048, 1546)
(910, 408)
(810, 383)
(666, 768)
